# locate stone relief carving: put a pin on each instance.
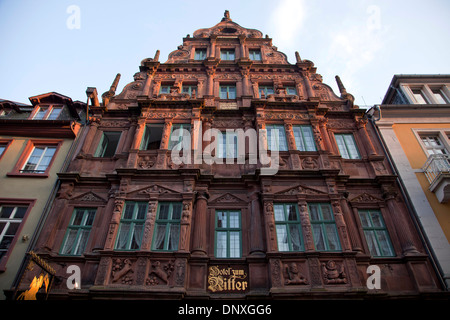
(333, 273)
(159, 273)
(120, 271)
(310, 163)
(292, 275)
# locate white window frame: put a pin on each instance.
(48, 111)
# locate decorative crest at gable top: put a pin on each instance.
(301, 190)
(154, 189)
(366, 198)
(89, 197)
(227, 27)
(227, 198)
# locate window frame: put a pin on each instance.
(280, 127)
(228, 230)
(169, 222)
(323, 223)
(200, 50)
(133, 222)
(265, 88)
(184, 126)
(49, 108)
(302, 137)
(10, 202)
(79, 230)
(101, 154)
(287, 223)
(223, 151)
(383, 228)
(189, 88)
(343, 135)
(252, 52)
(227, 53)
(146, 136)
(4, 143)
(228, 87)
(26, 153)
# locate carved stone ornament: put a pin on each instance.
(310, 163)
(160, 273)
(121, 270)
(147, 162)
(333, 273)
(292, 276)
(301, 190)
(365, 198)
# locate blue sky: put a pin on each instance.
(364, 42)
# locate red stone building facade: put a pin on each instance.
(142, 225)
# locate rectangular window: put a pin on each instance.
(227, 92)
(228, 236)
(164, 89)
(439, 96)
(39, 159)
(291, 91)
(288, 227)
(376, 234)
(433, 144)
(49, 112)
(189, 89)
(324, 227)
(228, 145)
(131, 226)
(347, 146)
(276, 138)
(200, 54)
(180, 136)
(254, 54)
(78, 231)
(419, 96)
(304, 139)
(152, 137)
(108, 144)
(3, 146)
(167, 227)
(10, 219)
(266, 90)
(227, 54)
(40, 114)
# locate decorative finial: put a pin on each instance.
(112, 90)
(297, 57)
(156, 58)
(226, 16)
(341, 86)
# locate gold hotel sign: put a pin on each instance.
(227, 279)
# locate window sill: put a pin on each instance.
(27, 175)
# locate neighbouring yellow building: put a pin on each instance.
(414, 123)
(35, 143)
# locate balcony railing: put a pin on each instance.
(436, 165)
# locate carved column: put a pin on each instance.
(400, 222)
(317, 136)
(212, 48)
(149, 225)
(242, 46)
(306, 225)
(309, 90)
(148, 81)
(210, 81)
(352, 228)
(136, 143)
(199, 243)
(295, 159)
(114, 224)
(325, 136)
(341, 226)
(269, 222)
(130, 136)
(256, 238)
(166, 134)
(185, 231)
(361, 125)
(90, 136)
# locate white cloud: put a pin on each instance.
(287, 20)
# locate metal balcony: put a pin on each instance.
(437, 171)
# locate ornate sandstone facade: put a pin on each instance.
(141, 224)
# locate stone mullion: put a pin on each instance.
(149, 225)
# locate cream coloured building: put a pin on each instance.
(414, 122)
